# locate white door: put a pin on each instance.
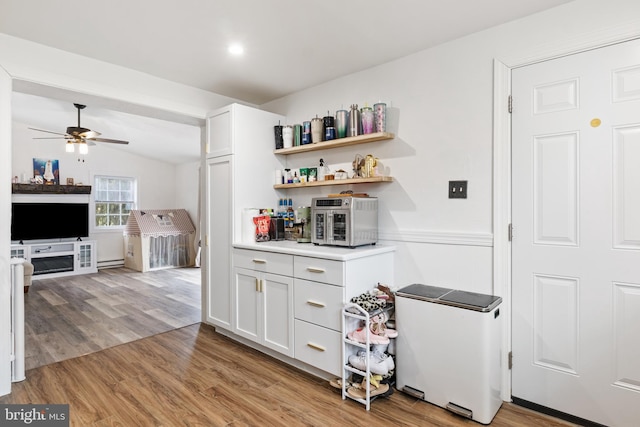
(5, 232)
(576, 246)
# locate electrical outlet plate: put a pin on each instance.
(457, 189)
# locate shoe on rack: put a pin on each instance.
(383, 358)
(391, 348)
(380, 328)
(360, 335)
(377, 365)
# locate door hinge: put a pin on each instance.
(510, 360)
(510, 232)
(510, 104)
(206, 146)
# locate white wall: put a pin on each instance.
(157, 181)
(187, 188)
(441, 103)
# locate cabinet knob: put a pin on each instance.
(315, 270)
(316, 346)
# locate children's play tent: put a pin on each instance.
(155, 239)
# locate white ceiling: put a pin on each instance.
(290, 45)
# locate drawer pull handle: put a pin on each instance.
(259, 261)
(316, 346)
(316, 304)
(257, 285)
(315, 270)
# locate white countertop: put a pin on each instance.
(309, 249)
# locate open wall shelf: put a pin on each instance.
(336, 143)
(374, 179)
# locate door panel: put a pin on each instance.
(277, 297)
(246, 297)
(218, 257)
(576, 246)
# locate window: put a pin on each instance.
(115, 197)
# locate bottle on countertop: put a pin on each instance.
(290, 214)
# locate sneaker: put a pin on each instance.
(383, 358)
(391, 348)
(377, 365)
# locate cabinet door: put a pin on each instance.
(277, 315)
(247, 304)
(218, 242)
(219, 134)
(84, 256)
(20, 252)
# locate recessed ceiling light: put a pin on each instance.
(236, 49)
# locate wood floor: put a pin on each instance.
(77, 315)
(194, 376)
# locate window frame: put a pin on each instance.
(98, 188)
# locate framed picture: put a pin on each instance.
(69, 181)
(47, 170)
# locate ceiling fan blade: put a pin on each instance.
(48, 131)
(113, 141)
(89, 134)
(52, 137)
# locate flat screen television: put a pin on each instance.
(38, 221)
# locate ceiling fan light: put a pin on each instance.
(69, 147)
(83, 148)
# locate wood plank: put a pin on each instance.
(194, 376)
(82, 310)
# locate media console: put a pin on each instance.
(58, 259)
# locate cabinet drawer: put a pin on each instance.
(318, 346)
(318, 303)
(319, 270)
(267, 262)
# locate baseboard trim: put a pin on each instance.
(438, 237)
(554, 413)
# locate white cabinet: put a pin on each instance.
(58, 259)
(219, 140)
(237, 156)
(217, 267)
(263, 301)
(293, 304)
(321, 288)
(85, 260)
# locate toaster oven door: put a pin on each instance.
(339, 227)
(331, 227)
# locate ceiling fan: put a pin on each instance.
(79, 135)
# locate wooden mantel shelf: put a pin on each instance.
(50, 189)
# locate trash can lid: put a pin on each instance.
(423, 292)
(471, 300)
(462, 299)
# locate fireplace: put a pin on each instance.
(54, 264)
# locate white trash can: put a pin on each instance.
(449, 349)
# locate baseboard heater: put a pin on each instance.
(112, 263)
(17, 320)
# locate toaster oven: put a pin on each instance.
(344, 221)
